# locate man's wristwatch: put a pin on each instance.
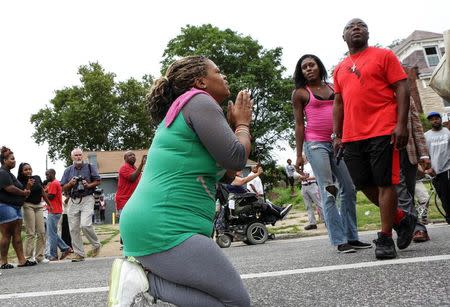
(335, 136)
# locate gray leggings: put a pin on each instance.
(195, 273)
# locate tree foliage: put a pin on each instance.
(100, 114)
(247, 65)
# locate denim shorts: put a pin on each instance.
(9, 213)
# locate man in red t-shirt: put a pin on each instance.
(129, 177)
(54, 194)
(370, 116)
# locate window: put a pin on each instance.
(432, 55)
(446, 103)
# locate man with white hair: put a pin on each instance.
(79, 182)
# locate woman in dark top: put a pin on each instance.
(33, 214)
(12, 197)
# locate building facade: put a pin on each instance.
(421, 52)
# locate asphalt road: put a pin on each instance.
(295, 272)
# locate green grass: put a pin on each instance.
(282, 196)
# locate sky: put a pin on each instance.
(44, 42)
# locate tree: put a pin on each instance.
(395, 43)
(247, 65)
(101, 114)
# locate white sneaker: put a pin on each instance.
(127, 282)
(285, 211)
(45, 260)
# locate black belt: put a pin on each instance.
(309, 183)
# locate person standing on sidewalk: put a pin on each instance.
(313, 99)
(129, 176)
(79, 181)
(33, 214)
(416, 152)
(290, 170)
(54, 194)
(12, 197)
(438, 142)
(370, 114)
(311, 194)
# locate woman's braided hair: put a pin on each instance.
(5, 153)
(179, 78)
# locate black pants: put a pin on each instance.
(442, 185)
(291, 181)
(406, 188)
(65, 232)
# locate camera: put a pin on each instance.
(98, 191)
(79, 187)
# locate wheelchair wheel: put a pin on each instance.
(224, 241)
(246, 241)
(257, 233)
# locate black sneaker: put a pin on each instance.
(405, 230)
(385, 247)
(310, 227)
(359, 245)
(345, 248)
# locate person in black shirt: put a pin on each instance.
(33, 214)
(12, 197)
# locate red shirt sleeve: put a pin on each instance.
(337, 88)
(126, 171)
(393, 67)
(52, 188)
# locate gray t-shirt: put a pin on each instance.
(87, 171)
(438, 143)
(290, 170)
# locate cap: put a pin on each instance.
(431, 114)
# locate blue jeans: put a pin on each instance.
(54, 240)
(341, 224)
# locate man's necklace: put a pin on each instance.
(353, 68)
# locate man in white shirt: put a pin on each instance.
(438, 143)
(310, 193)
(290, 170)
(255, 185)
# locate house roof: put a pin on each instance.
(417, 35)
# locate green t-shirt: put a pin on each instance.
(175, 196)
